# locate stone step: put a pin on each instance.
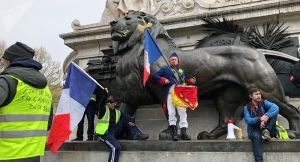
(154, 156)
(180, 151)
(274, 145)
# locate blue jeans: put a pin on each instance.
(110, 139)
(90, 114)
(256, 138)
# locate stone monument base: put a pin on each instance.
(151, 120)
(181, 151)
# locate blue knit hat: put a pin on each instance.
(174, 55)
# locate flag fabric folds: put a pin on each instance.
(76, 94)
(151, 54)
(185, 96)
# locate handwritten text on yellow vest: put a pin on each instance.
(24, 122)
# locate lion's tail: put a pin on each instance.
(278, 55)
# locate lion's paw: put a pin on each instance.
(165, 135)
(205, 136)
(293, 134)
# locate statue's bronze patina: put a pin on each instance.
(223, 73)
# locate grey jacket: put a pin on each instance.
(30, 76)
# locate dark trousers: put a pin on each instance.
(256, 138)
(110, 139)
(90, 114)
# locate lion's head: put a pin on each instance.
(128, 43)
(125, 34)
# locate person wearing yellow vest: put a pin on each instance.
(113, 124)
(25, 105)
(89, 112)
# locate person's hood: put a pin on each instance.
(28, 71)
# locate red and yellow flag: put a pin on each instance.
(185, 96)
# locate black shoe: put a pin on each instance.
(184, 136)
(89, 140)
(140, 136)
(77, 139)
(174, 133)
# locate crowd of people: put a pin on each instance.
(29, 126)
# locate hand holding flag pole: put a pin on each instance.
(88, 75)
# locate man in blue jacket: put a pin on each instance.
(168, 77)
(260, 116)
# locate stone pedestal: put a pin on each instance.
(151, 120)
(181, 151)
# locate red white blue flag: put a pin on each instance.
(151, 54)
(76, 95)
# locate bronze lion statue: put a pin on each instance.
(224, 73)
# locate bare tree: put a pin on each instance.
(52, 71)
(2, 49)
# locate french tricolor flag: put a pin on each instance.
(151, 54)
(76, 94)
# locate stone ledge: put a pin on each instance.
(185, 146)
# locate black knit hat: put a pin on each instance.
(18, 50)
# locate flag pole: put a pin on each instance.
(87, 74)
(147, 27)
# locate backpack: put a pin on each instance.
(282, 133)
(294, 75)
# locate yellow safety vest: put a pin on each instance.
(93, 98)
(103, 123)
(23, 122)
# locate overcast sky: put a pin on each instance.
(39, 22)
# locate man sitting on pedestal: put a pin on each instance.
(260, 116)
(113, 124)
